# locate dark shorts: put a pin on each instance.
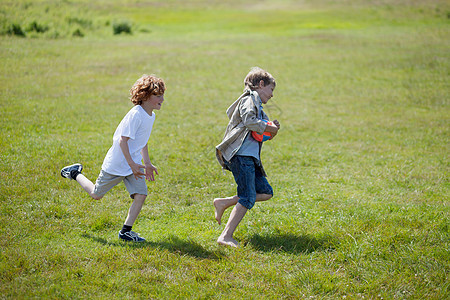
(249, 179)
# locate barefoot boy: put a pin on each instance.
(240, 153)
(123, 162)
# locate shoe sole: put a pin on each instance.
(80, 168)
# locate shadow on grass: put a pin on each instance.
(291, 243)
(172, 244)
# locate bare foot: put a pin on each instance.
(219, 208)
(227, 242)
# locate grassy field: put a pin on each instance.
(360, 167)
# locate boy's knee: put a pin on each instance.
(139, 197)
(268, 196)
(96, 197)
(247, 203)
(264, 197)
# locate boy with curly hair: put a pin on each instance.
(123, 162)
(240, 153)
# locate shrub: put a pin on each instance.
(145, 30)
(85, 23)
(35, 26)
(15, 29)
(122, 27)
(78, 33)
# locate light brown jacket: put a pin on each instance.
(243, 119)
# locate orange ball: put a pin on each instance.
(262, 137)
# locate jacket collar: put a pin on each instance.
(247, 92)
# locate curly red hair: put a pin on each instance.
(146, 86)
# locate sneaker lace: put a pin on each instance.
(133, 234)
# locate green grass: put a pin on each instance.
(359, 169)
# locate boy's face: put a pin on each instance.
(265, 92)
(154, 102)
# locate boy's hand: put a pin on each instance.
(136, 168)
(276, 123)
(273, 129)
(149, 169)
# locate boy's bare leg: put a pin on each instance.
(226, 238)
(135, 209)
(87, 185)
(221, 204)
(263, 197)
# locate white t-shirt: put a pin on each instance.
(137, 125)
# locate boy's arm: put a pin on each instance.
(248, 115)
(247, 110)
(149, 167)
(136, 168)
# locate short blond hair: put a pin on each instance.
(255, 76)
(146, 86)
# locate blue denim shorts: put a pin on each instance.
(249, 179)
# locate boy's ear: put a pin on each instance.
(261, 83)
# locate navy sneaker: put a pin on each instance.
(66, 171)
(131, 236)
